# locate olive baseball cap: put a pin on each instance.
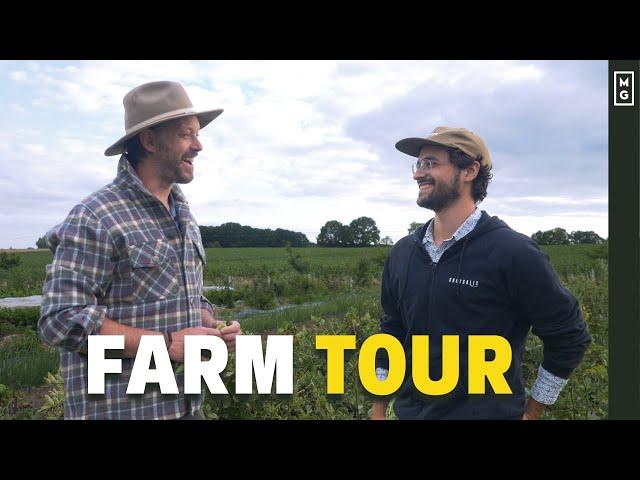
(460, 138)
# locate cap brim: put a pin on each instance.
(413, 145)
(205, 118)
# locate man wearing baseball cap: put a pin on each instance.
(128, 260)
(466, 273)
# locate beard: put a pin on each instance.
(173, 169)
(442, 194)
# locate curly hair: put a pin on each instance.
(479, 186)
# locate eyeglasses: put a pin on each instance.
(426, 164)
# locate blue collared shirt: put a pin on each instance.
(435, 252)
(172, 208)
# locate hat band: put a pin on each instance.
(162, 116)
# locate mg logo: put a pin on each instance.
(623, 89)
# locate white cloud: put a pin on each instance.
(18, 75)
(32, 149)
(282, 154)
(554, 200)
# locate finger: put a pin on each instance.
(233, 328)
(229, 342)
(209, 331)
(229, 337)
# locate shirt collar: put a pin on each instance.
(127, 176)
(468, 225)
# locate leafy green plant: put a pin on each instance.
(319, 301)
(362, 272)
(21, 317)
(309, 400)
(25, 361)
(53, 407)
(9, 260)
(296, 262)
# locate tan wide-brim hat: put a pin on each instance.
(154, 103)
(460, 138)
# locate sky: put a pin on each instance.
(304, 142)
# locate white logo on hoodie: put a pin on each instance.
(462, 281)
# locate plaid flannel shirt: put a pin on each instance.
(120, 254)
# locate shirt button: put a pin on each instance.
(191, 300)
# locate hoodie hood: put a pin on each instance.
(485, 225)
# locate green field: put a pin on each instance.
(304, 292)
(27, 278)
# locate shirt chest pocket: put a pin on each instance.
(195, 255)
(153, 271)
(201, 256)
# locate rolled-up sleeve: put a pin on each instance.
(205, 304)
(76, 281)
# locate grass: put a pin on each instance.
(222, 263)
(25, 361)
(365, 301)
(345, 284)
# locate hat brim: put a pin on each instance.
(205, 118)
(412, 146)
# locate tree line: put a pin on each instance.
(555, 236)
(361, 232)
(559, 236)
(235, 235)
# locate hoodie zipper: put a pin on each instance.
(434, 265)
(434, 268)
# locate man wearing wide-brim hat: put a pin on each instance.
(128, 260)
(463, 274)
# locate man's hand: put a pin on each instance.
(176, 349)
(228, 333)
(207, 319)
(379, 410)
(533, 410)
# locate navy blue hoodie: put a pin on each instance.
(494, 281)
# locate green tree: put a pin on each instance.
(387, 241)
(364, 232)
(589, 236)
(557, 236)
(331, 234)
(41, 243)
(232, 234)
(345, 236)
